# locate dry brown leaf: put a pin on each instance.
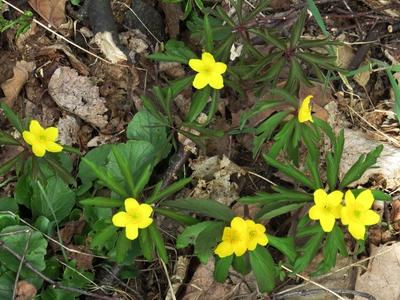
(53, 11)
(78, 95)
(12, 87)
(345, 55)
(173, 15)
(25, 290)
(68, 129)
(383, 274)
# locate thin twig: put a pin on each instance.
(168, 279)
(319, 291)
(21, 263)
(263, 178)
(314, 283)
(49, 280)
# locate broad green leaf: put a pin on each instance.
(59, 170)
(122, 247)
(102, 202)
(101, 238)
(263, 267)
(285, 245)
(158, 242)
(222, 266)
(207, 239)
(241, 264)
(7, 139)
(99, 156)
(205, 207)
(56, 200)
(35, 254)
(190, 234)
(11, 163)
(124, 168)
(146, 243)
(23, 190)
(8, 204)
(144, 126)
(7, 280)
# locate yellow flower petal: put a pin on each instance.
(365, 200)
(238, 223)
(335, 198)
(38, 149)
(251, 244)
(216, 81)
(337, 211)
(120, 219)
(53, 147)
(131, 205)
(224, 249)
(260, 228)
(35, 128)
(145, 222)
(345, 215)
(240, 248)
(262, 240)
(320, 197)
(131, 232)
(145, 210)
(305, 111)
(370, 217)
(51, 133)
(315, 212)
(227, 234)
(29, 138)
(220, 67)
(357, 230)
(200, 80)
(208, 59)
(197, 65)
(349, 198)
(327, 222)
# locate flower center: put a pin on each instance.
(135, 217)
(235, 238)
(357, 213)
(42, 138)
(252, 234)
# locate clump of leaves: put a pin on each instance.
(21, 23)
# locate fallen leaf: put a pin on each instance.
(25, 290)
(68, 129)
(383, 274)
(78, 95)
(53, 11)
(173, 16)
(83, 257)
(12, 87)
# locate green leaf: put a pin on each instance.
(279, 211)
(158, 242)
(282, 194)
(7, 139)
(297, 29)
(8, 165)
(241, 264)
(317, 16)
(17, 238)
(23, 190)
(273, 72)
(8, 204)
(205, 207)
(363, 163)
(176, 216)
(222, 266)
(167, 57)
(144, 126)
(334, 243)
(263, 267)
(259, 8)
(208, 35)
(12, 117)
(290, 171)
(98, 156)
(168, 191)
(102, 202)
(285, 245)
(104, 236)
(7, 280)
(55, 201)
(146, 243)
(396, 92)
(269, 38)
(207, 239)
(199, 101)
(122, 247)
(124, 168)
(59, 170)
(190, 234)
(309, 250)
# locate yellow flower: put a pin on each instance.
(256, 234)
(305, 110)
(136, 216)
(357, 213)
(234, 239)
(41, 139)
(209, 72)
(327, 208)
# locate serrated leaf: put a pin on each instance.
(99, 156)
(207, 239)
(190, 233)
(309, 250)
(285, 245)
